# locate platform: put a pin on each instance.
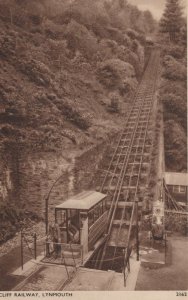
(152, 252)
(45, 278)
(98, 280)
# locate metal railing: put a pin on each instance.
(25, 242)
(126, 264)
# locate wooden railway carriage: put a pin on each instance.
(81, 222)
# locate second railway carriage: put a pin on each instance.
(80, 225)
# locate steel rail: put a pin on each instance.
(119, 141)
(120, 181)
(130, 178)
(139, 90)
(143, 141)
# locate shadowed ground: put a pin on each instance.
(173, 276)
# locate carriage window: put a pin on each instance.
(96, 212)
(176, 189)
(100, 209)
(61, 217)
(182, 189)
(91, 218)
(74, 217)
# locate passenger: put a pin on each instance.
(54, 233)
(73, 233)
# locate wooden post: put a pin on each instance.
(124, 269)
(21, 248)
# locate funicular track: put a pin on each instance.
(127, 174)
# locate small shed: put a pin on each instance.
(177, 184)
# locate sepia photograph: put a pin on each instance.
(93, 149)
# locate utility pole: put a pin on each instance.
(47, 200)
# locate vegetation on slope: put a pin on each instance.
(56, 59)
(173, 89)
(67, 70)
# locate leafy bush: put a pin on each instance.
(175, 146)
(36, 71)
(9, 220)
(80, 118)
(127, 41)
(132, 34)
(116, 74)
(175, 104)
(173, 69)
(174, 87)
(56, 49)
(52, 30)
(175, 51)
(7, 43)
(176, 223)
(132, 58)
(79, 38)
(117, 35)
(107, 49)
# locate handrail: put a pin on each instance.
(98, 220)
(127, 253)
(62, 255)
(30, 249)
(73, 257)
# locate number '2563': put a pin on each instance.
(181, 293)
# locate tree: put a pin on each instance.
(149, 20)
(171, 20)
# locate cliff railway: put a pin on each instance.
(108, 235)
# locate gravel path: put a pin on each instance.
(170, 277)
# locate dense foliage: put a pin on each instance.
(67, 70)
(55, 55)
(173, 91)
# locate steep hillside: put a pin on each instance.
(68, 70)
(51, 53)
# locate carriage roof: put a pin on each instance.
(85, 200)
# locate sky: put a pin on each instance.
(155, 6)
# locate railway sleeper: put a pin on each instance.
(124, 223)
(122, 204)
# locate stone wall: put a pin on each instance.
(87, 166)
(27, 178)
